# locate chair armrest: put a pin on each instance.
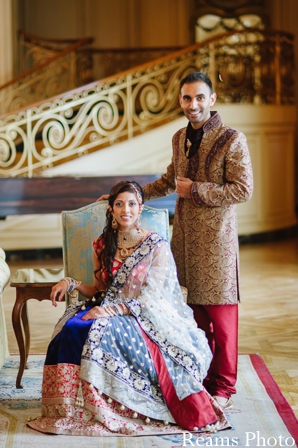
(4, 271)
(73, 297)
(4, 278)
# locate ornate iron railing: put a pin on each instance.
(35, 50)
(247, 66)
(52, 66)
(57, 73)
(109, 61)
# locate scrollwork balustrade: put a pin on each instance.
(242, 66)
(64, 71)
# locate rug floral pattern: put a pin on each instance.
(254, 416)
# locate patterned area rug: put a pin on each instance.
(260, 416)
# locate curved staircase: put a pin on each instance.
(252, 71)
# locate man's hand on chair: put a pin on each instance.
(103, 197)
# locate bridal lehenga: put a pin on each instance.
(132, 375)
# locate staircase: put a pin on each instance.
(247, 67)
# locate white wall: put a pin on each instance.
(284, 15)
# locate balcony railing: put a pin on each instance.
(52, 66)
(252, 66)
(51, 73)
(109, 61)
(35, 50)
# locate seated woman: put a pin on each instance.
(132, 352)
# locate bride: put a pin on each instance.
(130, 360)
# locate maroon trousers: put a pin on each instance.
(220, 323)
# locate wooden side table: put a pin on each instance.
(29, 284)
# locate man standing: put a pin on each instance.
(211, 172)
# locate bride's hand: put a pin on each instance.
(99, 311)
(58, 292)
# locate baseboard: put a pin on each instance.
(274, 235)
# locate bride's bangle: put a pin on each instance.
(121, 309)
(118, 309)
(71, 283)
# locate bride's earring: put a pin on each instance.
(138, 223)
(114, 224)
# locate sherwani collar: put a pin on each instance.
(213, 121)
(194, 137)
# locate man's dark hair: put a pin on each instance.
(195, 77)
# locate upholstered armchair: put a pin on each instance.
(4, 278)
(82, 226)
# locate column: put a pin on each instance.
(6, 41)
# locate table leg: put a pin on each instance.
(16, 323)
(25, 321)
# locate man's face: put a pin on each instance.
(195, 100)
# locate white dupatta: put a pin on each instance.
(147, 283)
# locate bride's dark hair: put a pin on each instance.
(110, 235)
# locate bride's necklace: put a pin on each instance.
(127, 241)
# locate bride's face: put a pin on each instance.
(126, 210)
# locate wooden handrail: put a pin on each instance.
(170, 49)
(32, 37)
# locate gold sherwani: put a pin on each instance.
(205, 237)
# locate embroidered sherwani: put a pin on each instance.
(205, 239)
